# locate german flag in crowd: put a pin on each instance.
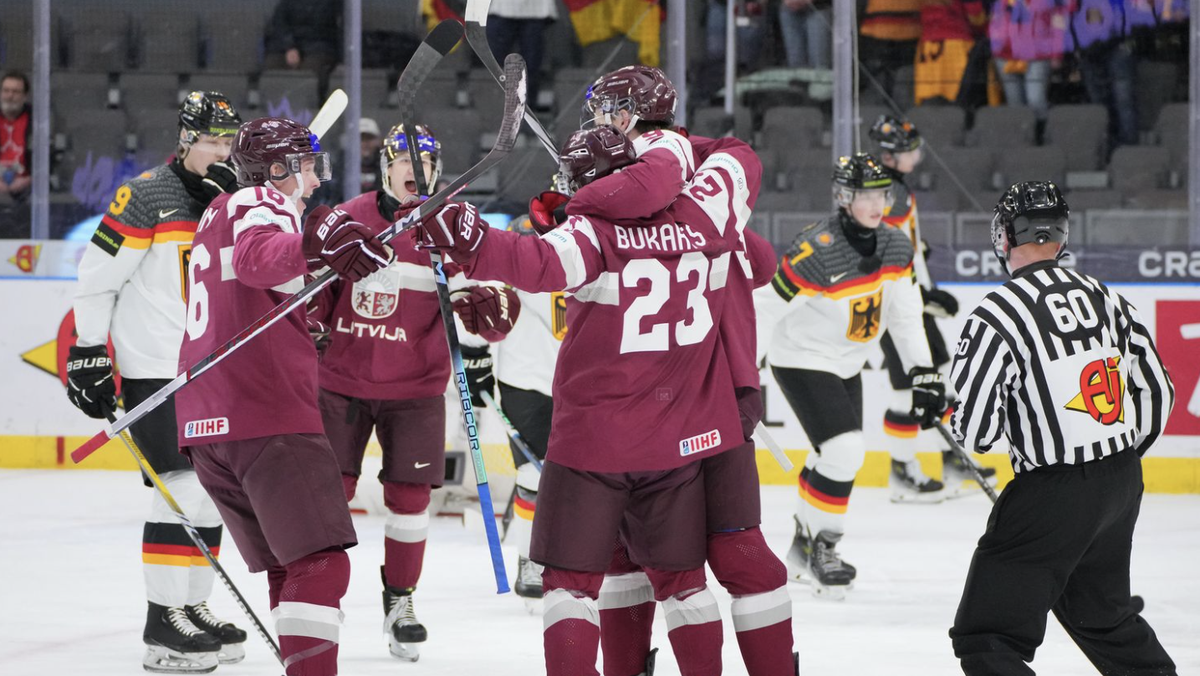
(436, 11)
(638, 20)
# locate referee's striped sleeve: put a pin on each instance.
(1150, 386)
(981, 374)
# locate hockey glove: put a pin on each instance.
(928, 395)
(548, 210)
(487, 311)
(477, 362)
(333, 238)
(455, 227)
(90, 384)
(939, 303)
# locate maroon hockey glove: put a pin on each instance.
(455, 227)
(547, 211)
(333, 238)
(487, 311)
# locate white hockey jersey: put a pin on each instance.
(526, 357)
(824, 308)
(132, 277)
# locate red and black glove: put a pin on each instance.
(487, 311)
(548, 210)
(332, 237)
(455, 227)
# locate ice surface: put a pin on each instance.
(72, 599)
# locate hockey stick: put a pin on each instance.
(504, 144)
(475, 18)
(196, 538)
(329, 113)
(514, 100)
(962, 452)
(773, 446)
(512, 431)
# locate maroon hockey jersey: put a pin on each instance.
(642, 382)
(756, 260)
(246, 258)
(387, 339)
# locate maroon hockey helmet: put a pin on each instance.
(263, 143)
(590, 154)
(642, 90)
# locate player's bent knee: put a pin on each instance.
(406, 498)
(675, 583)
(842, 456)
(320, 578)
(744, 564)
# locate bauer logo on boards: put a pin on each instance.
(206, 428)
(700, 442)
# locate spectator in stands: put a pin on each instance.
(16, 126)
(520, 26)
(1028, 38)
(750, 31)
(807, 29)
(305, 34)
(371, 140)
(888, 40)
(949, 31)
(1106, 62)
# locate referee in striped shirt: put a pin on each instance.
(1065, 369)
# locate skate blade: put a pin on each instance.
(902, 497)
(160, 660)
(968, 488)
(231, 653)
(409, 652)
(830, 592)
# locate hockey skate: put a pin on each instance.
(529, 584)
(233, 639)
(911, 484)
(814, 562)
(403, 630)
(960, 481)
(174, 645)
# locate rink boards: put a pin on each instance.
(39, 428)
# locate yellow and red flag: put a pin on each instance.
(638, 20)
(437, 11)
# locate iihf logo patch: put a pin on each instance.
(205, 428)
(700, 442)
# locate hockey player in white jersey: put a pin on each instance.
(841, 284)
(525, 362)
(901, 149)
(132, 288)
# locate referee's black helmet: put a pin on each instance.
(1029, 212)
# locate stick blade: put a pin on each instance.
(89, 447)
(329, 113)
(515, 89)
(444, 36)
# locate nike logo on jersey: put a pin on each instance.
(421, 465)
(163, 213)
(835, 278)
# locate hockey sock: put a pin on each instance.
(900, 427)
(405, 532)
(524, 506)
(570, 621)
(170, 559)
(626, 616)
(349, 486)
(762, 610)
(826, 481)
(308, 617)
(693, 622)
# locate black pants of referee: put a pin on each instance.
(1059, 538)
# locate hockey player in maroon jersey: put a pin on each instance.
(843, 281)
(387, 367)
(641, 100)
(252, 426)
(642, 389)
